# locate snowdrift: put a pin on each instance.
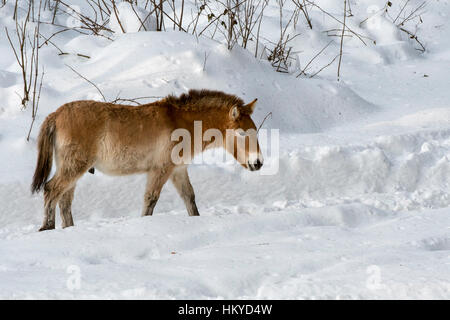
(362, 184)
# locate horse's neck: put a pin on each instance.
(207, 120)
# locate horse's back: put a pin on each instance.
(79, 121)
(87, 119)
(120, 139)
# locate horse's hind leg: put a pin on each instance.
(53, 191)
(155, 181)
(49, 219)
(65, 207)
(180, 180)
(71, 167)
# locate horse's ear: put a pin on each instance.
(234, 112)
(250, 106)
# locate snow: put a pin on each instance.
(325, 254)
(359, 207)
(131, 19)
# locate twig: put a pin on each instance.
(89, 81)
(302, 7)
(342, 41)
(373, 14)
(33, 118)
(359, 36)
(219, 16)
(413, 36)
(401, 10)
(269, 114)
(83, 56)
(134, 99)
(310, 61)
(204, 61)
(411, 15)
(329, 64)
(117, 15)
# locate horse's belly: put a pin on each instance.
(114, 169)
(128, 159)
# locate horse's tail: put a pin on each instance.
(46, 143)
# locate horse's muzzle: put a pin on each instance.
(255, 165)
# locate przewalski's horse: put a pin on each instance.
(121, 140)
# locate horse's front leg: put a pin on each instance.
(156, 178)
(180, 180)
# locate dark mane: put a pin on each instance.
(202, 100)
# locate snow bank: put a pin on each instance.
(388, 38)
(153, 63)
(130, 18)
(362, 182)
(275, 255)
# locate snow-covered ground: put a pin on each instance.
(359, 208)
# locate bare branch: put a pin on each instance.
(89, 81)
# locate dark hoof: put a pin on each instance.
(44, 228)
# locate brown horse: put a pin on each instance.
(121, 140)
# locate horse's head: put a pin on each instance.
(241, 139)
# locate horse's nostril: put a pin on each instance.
(258, 164)
(255, 165)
